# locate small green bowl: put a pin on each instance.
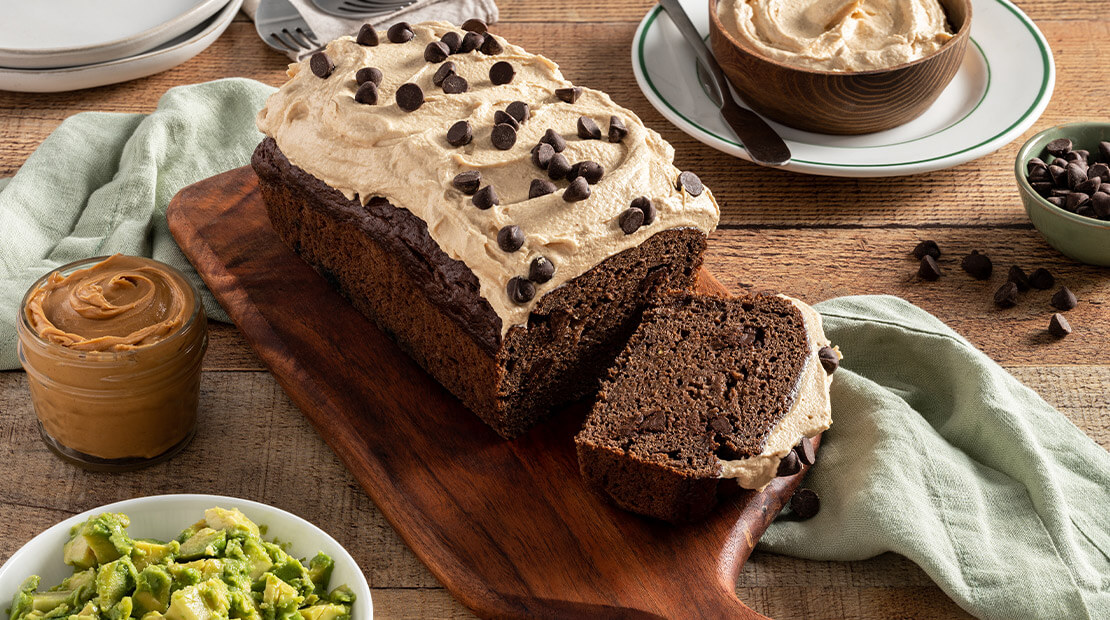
(1083, 238)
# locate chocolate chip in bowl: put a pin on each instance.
(1063, 178)
(855, 98)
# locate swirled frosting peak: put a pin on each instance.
(375, 149)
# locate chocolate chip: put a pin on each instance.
(460, 134)
(1042, 279)
(1085, 211)
(1006, 296)
(368, 74)
(1101, 171)
(789, 465)
(454, 84)
(436, 51)
(452, 40)
(645, 204)
(1044, 188)
(468, 182)
(929, 269)
(558, 167)
(588, 129)
(520, 290)
(475, 25)
(503, 136)
(805, 504)
(830, 360)
(400, 32)
(1058, 173)
(540, 187)
(1075, 200)
(321, 65)
(1104, 150)
(926, 248)
(1090, 186)
(1056, 201)
(591, 171)
(1040, 175)
(631, 220)
(367, 93)
(501, 72)
(541, 270)
(410, 97)
(1076, 175)
(485, 198)
(691, 183)
(1083, 155)
(1018, 277)
(569, 95)
(1100, 204)
(367, 36)
(1059, 326)
(501, 117)
(556, 140)
(617, 130)
(471, 41)
(578, 189)
(541, 155)
(807, 454)
(1064, 299)
(1034, 163)
(510, 238)
(491, 46)
(518, 110)
(442, 73)
(978, 265)
(720, 424)
(1059, 146)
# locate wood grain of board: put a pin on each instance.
(869, 225)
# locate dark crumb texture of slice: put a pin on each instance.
(702, 378)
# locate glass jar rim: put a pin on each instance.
(69, 268)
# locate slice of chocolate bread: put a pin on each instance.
(707, 388)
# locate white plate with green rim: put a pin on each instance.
(1001, 89)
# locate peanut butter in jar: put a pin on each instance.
(113, 348)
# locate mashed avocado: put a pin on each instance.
(219, 568)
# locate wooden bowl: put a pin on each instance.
(841, 102)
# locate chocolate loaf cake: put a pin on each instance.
(470, 205)
(707, 389)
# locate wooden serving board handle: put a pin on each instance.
(507, 526)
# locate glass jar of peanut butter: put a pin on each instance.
(113, 348)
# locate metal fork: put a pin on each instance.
(360, 8)
(282, 27)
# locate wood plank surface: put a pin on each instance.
(843, 236)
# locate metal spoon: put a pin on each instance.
(762, 143)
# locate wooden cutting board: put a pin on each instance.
(507, 526)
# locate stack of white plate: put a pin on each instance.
(59, 45)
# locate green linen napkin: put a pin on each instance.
(938, 454)
(100, 183)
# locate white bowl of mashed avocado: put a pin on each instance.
(184, 557)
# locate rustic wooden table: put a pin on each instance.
(814, 237)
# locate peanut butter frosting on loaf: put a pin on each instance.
(376, 147)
